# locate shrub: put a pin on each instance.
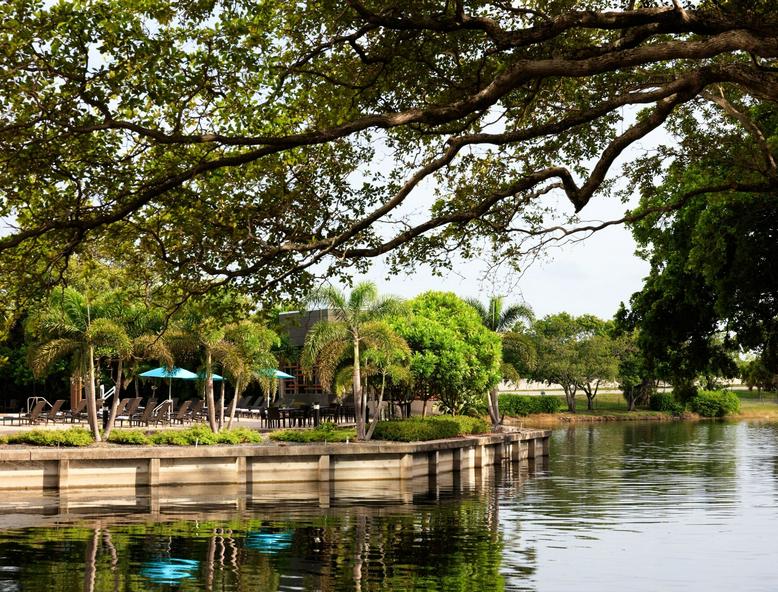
(71, 437)
(239, 436)
(527, 404)
(666, 402)
(467, 425)
(417, 429)
(3, 440)
(326, 432)
(715, 403)
(131, 437)
(684, 391)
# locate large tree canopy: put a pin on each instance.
(247, 142)
(713, 284)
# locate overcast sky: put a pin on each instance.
(592, 276)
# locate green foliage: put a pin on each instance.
(713, 282)
(454, 356)
(129, 437)
(715, 403)
(574, 352)
(71, 437)
(667, 403)
(325, 432)
(527, 405)
(199, 435)
(239, 436)
(417, 429)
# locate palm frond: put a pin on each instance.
(105, 333)
(41, 357)
(479, 308)
(363, 296)
(511, 315)
(321, 335)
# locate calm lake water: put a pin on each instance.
(659, 506)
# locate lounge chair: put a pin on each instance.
(161, 414)
(34, 416)
(196, 412)
(130, 411)
(144, 416)
(54, 414)
(182, 414)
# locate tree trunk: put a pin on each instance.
(209, 400)
(374, 422)
(570, 397)
(221, 405)
(493, 399)
(91, 402)
(116, 398)
(234, 403)
(76, 386)
(357, 384)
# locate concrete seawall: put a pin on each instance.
(63, 470)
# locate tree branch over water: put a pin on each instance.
(250, 144)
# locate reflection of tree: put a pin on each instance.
(599, 473)
(455, 544)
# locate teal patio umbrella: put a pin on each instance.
(175, 374)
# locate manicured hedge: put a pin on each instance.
(196, 435)
(528, 404)
(326, 432)
(715, 403)
(417, 429)
(71, 437)
(666, 402)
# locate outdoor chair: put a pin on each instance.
(130, 410)
(121, 407)
(273, 417)
(161, 414)
(76, 413)
(182, 414)
(196, 411)
(144, 416)
(243, 408)
(34, 416)
(54, 413)
(258, 407)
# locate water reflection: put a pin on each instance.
(639, 506)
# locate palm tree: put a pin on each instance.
(143, 326)
(72, 326)
(198, 334)
(385, 359)
(500, 319)
(355, 325)
(245, 354)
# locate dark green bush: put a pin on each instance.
(71, 437)
(131, 437)
(684, 392)
(715, 403)
(417, 429)
(467, 425)
(196, 435)
(529, 404)
(326, 432)
(667, 403)
(239, 436)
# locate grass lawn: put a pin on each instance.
(753, 404)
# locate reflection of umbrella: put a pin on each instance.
(269, 542)
(169, 571)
